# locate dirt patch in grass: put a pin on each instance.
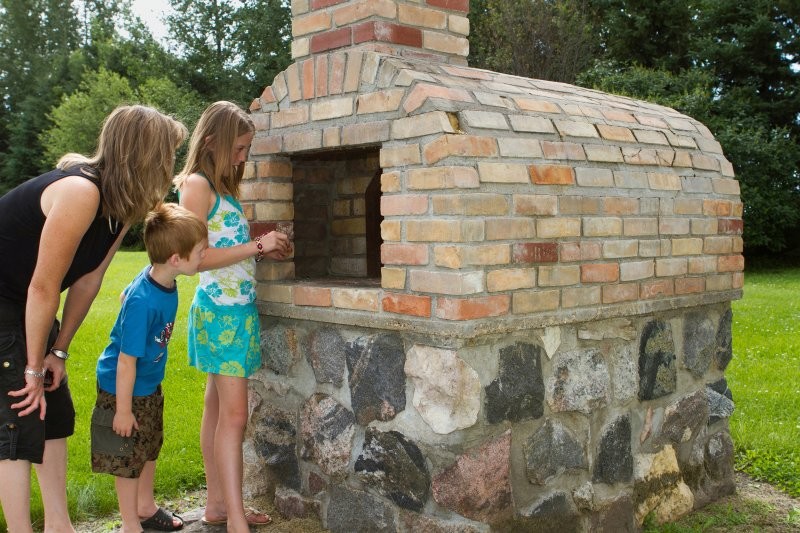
(755, 506)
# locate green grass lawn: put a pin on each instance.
(764, 376)
(180, 465)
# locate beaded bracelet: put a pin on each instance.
(260, 247)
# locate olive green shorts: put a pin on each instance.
(126, 456)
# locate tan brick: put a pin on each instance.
(572, 128)
(390, 182)
(337, 70)
(535, 204)
(266, 191)
(671, 267)
(737, 280)
(539, 106)
(369, 133)
(449, 145)
(391, 230)
(651, 137)
(321, 76)
(302, 140)
(559, 275)
(626, 179)
(379, 101)
(332, 108)
(705, 162)
(620, 206)
(480, 255)
(300, 47)
(311, 23)
(472, 308)
(623, 292)
(332, 137)
(602, 153)
(423, 91)
(579, 251)
(656, 288)
(686, 206)
(691, 246)
(580, 296)
(730, 263)
(615, 249)
(579, 205)
(486, 205)
(717, 245)
(448, 204)
(689, 285)
(702, 265)
(399, 156)
(443, 178)
(312, 296)
(352, 77)
(290, 116)
(602, 226)
(738, 244)
(433, 231)
(363, 9)
(443, 42)
(404, 254)
(551, 174)
(509, 279)
(420, 16)
(407, 304)
(636, 270)
(484, 120)
(404, 204)
(307, 78)
(274, 211)
(274, 292)
(640, 156)
(720, 282)
(616, 133)
(453, 283)
(552, 228)
(535, 301)
(419, 125)
(513, 147)
(673, 226)
(458, 24)
(510, 228)
(266, 145)
(599, 272)
(274, 169)
(503, 173)
(661, 181)
(563, 150)
(529, 124)
(618, 115)
(594, 177)
(357, 299)
(393, 278)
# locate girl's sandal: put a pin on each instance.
(254, 518)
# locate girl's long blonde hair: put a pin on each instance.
(134, 161)
(210, 147)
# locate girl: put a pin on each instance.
(224, 338)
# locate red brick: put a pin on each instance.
(620, 293)
(329, 40)
(551, 174)
(730, 263)
(307, 69)
(689, 285)
(387, 32)
(455, 5)
(535, 252)
(656, 288)
(407, 304)
(599, 272)
(316, 296)
(730, 226)
(471, 308)
(404, 254)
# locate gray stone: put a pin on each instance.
(719, 464)
(684, 419)
(326, 432)
(353, 511)
(580, 382)
(699, 343)
(624, 377)
(290, 504)
(275, 441)
(279, 348)
(553, 513)
(724, 352)
(477, 485)
(326, 355)
(551, 451)
(377, 379)
(518, 392)
(720, 401)
(657, 374)
(447, 391)
(616, 516)
(614, 462)
(394, 465)
(414, 522)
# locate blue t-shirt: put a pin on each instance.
(142, 330)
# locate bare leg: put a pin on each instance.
(146, 500)
(15, 495)
(232, 419)
(127, 490)
(52, 476)
(215, 503)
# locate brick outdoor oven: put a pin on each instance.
(509, 303)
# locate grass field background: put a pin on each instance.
(764, 376)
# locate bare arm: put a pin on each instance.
(124, 422)
(197, 197)
(76, 305)
(70, 205)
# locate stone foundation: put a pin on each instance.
(585, 426)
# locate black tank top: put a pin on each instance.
(21, 223)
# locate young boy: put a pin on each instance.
(127, 421)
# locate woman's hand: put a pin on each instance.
(58, 369)
(34, 397)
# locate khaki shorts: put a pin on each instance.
(126, 456)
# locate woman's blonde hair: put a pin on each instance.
(134, 161)
(210, 147)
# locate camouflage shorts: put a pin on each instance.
(126, 456)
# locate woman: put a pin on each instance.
(60, 230)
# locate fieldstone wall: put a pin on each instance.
(582, 427)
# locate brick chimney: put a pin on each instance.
(436, 30)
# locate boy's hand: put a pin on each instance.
(124, 424)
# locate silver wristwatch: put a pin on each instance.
(61, 354)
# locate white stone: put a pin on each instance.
(447, 391)
(551, 340)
